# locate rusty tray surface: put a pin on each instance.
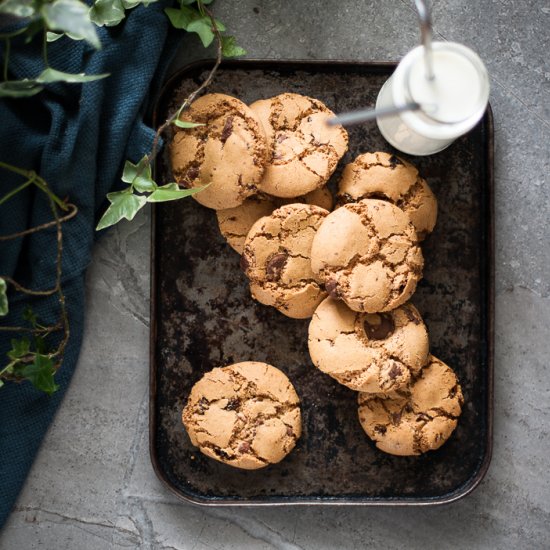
(202, 316)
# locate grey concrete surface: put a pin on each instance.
(92, 486)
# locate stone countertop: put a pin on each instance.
(92, 485)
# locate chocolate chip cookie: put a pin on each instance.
(420, 420)
(368, 352)
(235, 223)
(304, 150)
(228, 153)
(276, 259)
(246, 415)
(367, 254)
(387, 177)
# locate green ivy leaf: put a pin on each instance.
(51, 75)
(30, 316)
(19, 88)
(53, 36)
(40, 373)
(191, 20)
(124, 204)
(40, 343)
(139, 175)
(184, 124)
(230, 48)
(128, 4)
(107, 12)
(19, 8)
(19, 348)
(172, 192)
(180, 18)
(71, 16)
(203, 28)
(4, 307)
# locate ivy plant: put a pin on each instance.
(31, 357)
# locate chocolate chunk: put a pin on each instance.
(221, 453)
(380, 429)
(227, 129)
(331, 286)
(274, 267)
(394, 161)
(289, 431)
(189, 176)
(281, 138)
(378, 326)
(411, 316)
(244, 263)
(203, 405)
(192, 173)
(233, 404)
(345, 198)
(396, 418)
(395, 371)
(244, 447)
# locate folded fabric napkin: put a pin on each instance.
(77, 137)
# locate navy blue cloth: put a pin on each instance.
(77, 137)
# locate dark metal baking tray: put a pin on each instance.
(202, 317)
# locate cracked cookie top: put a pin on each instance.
(420, 420)
(235, 223)
(277, 260)
(368, 352)
(367, 255)
(387, 177)
(304, 151)
(246, 415)
(228, 153)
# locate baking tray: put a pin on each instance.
(202, 317)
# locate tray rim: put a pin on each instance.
(455, 495)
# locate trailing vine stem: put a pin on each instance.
(191, 97)
(73, 210)
(63, 324)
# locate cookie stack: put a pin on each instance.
(264, 169)
(365, 334)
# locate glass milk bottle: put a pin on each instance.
(451, 102)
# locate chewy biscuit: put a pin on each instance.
(368, 352)
(387, 177)
(367, 255)
(228, 153)
(411, 423)
(276, 259)
(246, 415)
(235, 223)
(304, 149)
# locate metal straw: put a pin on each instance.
(426, 36)
(364, 115)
